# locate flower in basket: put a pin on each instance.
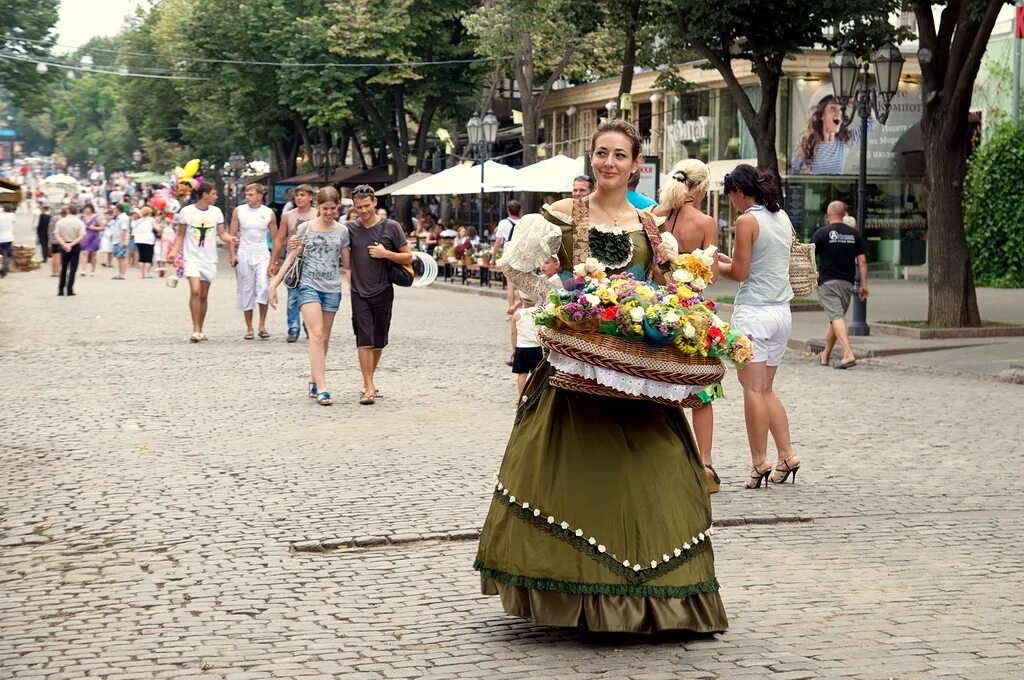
(662, 322)
(694, 269)
(591, 267)
(739, 349)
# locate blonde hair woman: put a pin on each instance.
(681, 198)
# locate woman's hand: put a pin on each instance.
(723, 258)
(272, 299)
(293, 243)
(666, 253)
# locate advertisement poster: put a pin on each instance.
(822, 145)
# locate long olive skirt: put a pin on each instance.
(601, 517)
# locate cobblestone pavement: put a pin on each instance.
(171, 510)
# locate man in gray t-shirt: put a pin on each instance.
(375, 244)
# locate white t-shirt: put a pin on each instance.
(253, 224)
(201, 232)
(526, 329)
(504, 229)
(6, 226)
(144, 232)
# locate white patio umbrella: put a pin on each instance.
(437, 184)
(61, 179)
(554, 175)
(464, 179)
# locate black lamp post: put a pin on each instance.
(236, 164)
(326, 161)
(482, 133)
(851, 82)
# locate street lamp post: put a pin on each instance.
(326, 161)
(482, 133)
(136, 157)
(851, 82)
(236, 164)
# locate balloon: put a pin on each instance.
(173, 206)
(192, 167)
(159, 202)
(178, 171)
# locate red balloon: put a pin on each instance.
(159, 202)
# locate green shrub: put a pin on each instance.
(994, 209)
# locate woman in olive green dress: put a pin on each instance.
(601, 516)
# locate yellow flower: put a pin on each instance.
(638, 329)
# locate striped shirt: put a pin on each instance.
(829, 157)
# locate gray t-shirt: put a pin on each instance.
(370, 275)
(321, 252)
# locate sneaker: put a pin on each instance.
(292, 337)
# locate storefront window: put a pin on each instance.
(688, 125)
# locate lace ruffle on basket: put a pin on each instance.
(620, 382)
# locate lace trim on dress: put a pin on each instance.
(621, 382)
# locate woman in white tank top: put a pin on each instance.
(251, 223)
(760, 262)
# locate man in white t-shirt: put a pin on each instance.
(503, 232)
(200, 226)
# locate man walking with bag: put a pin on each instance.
(840, 249)
(375, 243)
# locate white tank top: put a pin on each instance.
(253, 224)
(768, 278)
(526, 329)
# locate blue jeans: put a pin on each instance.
(293, 311)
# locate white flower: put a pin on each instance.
(504, 491)
(600, 548)
(694, 540)
(677, 552)
(625, 563)
(579, 532)
(700, 536)
(592, 540)
(511, 499)
(564, 525)
(682, 275)
(591, 263)
(550, 307)
(593, 300)
(716, 320)
(698, 284)
(686, 546)
(636, 567)
(526, 506)
(580, 270)
(665, 558)
(688, 330)
(654, 564)
(551, 520)
(536, 512)
(671, 318)
(500, 487)
(637, 314)
(710, 252)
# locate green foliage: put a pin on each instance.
(22, 20)
(994, 209)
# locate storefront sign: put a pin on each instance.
(650, 177)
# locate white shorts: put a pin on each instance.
(769, 327)
(106, 244)
(251, 278)
(204, 271)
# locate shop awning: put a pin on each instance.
(377, 175)
(340, 175)
(551, 175)
(402, 183)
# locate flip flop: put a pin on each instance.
(847, 364)
(366, 401)
(249, 336)
(195, 337)
(264, 334)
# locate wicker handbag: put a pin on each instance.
(803, 270)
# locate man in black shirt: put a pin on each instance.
(840, 249)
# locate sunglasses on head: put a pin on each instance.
(363, 190)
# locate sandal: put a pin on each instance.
(264, 334)
(249, 335)
(312, 390)
(783, 468)
(324, 399)
(195, 337)
(714, 482)
(757, 476)
(367, 400)
(202, 337)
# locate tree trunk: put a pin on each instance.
(952, 301)
(628, 64)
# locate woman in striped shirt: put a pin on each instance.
(826, 142)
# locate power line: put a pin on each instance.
(94, 69)
(283, 64)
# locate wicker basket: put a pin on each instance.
(664, 364)
(803, 271)
(568, 381)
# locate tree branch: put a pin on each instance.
(739, 95)
(927, 40)
(967, 73)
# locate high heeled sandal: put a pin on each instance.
(714, 482)
(777, 470)
(756, 477)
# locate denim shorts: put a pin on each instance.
(329, 302)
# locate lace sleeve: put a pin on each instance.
(535, 240)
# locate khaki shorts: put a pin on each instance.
(834, 296)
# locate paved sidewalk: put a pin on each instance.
(153, 494)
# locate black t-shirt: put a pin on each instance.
(370, 275)
(837, 246)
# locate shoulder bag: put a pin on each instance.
(803, 270)
(294, 273)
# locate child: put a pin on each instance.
(526, 350)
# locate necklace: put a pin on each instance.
(615, 220)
